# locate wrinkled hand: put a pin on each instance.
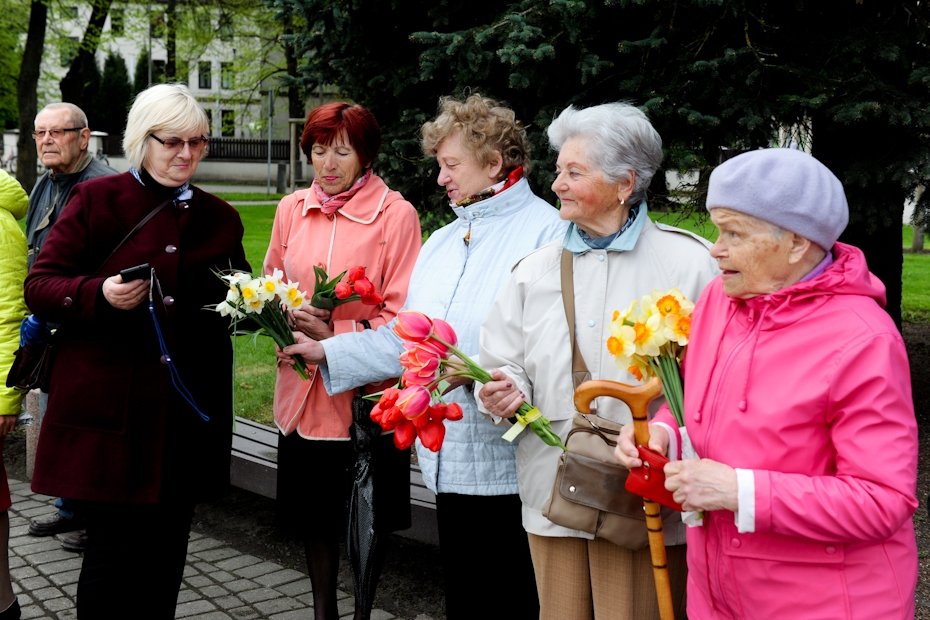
(7, 424)
(702, 484)
(455, 382)
(500, 396)
(314, 322)
(306, 347)
(124, 296)
(626, 451)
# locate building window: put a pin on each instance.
(224, 29)
(209, 112)
(226, 75)
(228, 119)
(69, 49)
(157, 26)
(159, 71)
(116, 21)
(205, 75)
(70, 12)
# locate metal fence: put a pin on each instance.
(239, 149)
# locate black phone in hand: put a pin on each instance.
(139, 272)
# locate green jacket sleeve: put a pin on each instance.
(13, 200)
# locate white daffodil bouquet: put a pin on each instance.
(265, 300)
(654, 342)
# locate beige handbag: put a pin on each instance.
(589, 493)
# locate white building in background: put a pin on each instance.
(227, 60)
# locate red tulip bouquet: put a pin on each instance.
(416, 408)
(329, 293)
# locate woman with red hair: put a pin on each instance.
(348, 217)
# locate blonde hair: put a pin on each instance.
(163, 107)
(486, 126)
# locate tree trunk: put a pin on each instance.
(171, 39)
(295, 104)
(876, 209)
(74, 83)
(26, 98)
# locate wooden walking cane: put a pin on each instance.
(637, 399)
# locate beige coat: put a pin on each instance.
(526, 335)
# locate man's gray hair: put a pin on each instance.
(618, 138)
(77, 114)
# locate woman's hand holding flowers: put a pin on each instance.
(702, 484)
(124, 295)
(309, 349)
(314, 322)
(500, 396)
(626, 451)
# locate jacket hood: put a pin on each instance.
(13, 197)
(848, 275)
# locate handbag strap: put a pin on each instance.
(580, 371)
(129, 235)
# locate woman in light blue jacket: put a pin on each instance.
(482, 155)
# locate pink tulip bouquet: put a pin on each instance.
(416, 409)
(350, 285)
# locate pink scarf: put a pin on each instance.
(331, 204)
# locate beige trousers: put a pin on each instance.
(581, 579)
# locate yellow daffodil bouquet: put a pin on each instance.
(265, 300)
(653, 342)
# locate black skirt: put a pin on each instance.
(315, 480)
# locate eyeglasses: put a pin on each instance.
(176, 144)
(56, 134)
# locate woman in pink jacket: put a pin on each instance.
(798, 403)
(348, 217)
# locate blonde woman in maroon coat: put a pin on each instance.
(138, 427)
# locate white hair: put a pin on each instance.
(619, 139)
(77, 114)
(163, 107)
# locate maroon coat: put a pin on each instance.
(116, 430)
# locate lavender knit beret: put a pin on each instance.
(785, 187)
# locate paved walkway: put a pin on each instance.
(220, 583)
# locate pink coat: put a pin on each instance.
(810, 389)
(376, 229)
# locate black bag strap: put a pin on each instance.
(580, 372)
(138, 226)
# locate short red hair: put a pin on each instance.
(326, 122)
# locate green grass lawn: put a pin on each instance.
(248, 196)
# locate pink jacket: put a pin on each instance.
(377, 229)
(810, 389)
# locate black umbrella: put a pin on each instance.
(362, 538)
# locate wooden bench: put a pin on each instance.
(254, 467)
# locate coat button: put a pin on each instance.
(697, 416)
(164, 360)
(66, 302)
(591, 323)
(736, 542)
(831, 549)
(171, 249)
(183, 206)
(169, 300)
(600, 257)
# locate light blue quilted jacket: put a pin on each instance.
(457, 282)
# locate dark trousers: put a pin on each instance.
(134, 560)
(482, 543)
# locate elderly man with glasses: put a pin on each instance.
(62, 138)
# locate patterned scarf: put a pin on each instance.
(331, 204)
(494, 190)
